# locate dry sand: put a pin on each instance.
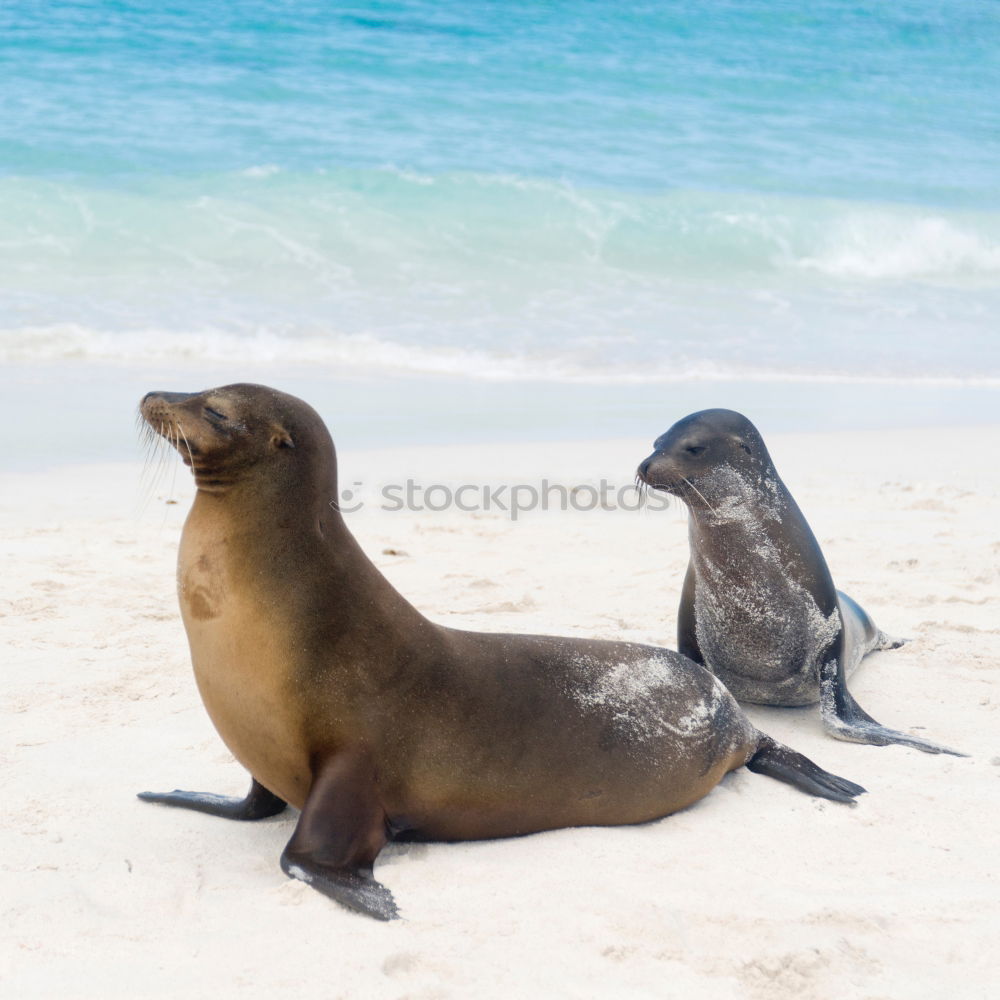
(756, 891)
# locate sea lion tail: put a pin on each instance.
(778, 761)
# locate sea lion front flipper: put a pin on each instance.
(687, 632)
(340, 832)
(845, 719)
(258, 804)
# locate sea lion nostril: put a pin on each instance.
(167, 397)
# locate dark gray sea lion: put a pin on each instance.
(340, 698)
(759, 607)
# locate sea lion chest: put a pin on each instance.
(757, 622)
(241, 653)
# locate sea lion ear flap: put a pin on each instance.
(281, 438)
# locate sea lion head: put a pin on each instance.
(240, 432)
(701, 457)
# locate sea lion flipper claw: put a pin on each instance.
(340, 832)
(258, 804)
(354, 888)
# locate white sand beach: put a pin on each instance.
(757, 891)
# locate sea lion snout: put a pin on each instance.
(166, 397)
(157, 408)
(658, 471)
(185, 420)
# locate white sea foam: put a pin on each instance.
(263, 171)
(365, 353)
(879, 245)
(496, 276)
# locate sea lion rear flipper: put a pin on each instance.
(845, 719)
(778, 761)
(340, 832)
(258, 804)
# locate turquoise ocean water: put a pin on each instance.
(577, 192)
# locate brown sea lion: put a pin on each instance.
(340, 698)
(758, 606)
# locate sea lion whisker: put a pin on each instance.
(167, 446)
(702, 495)
(638, 485)
(147, 443)
(186, 444)
(175, 441)
(155, 458)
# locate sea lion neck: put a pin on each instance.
(284, 525)
(728, 495)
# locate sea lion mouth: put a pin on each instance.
(647, 476)
(172, 431)
(662, 486)
(156, 410)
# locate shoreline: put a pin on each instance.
(85, 412)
